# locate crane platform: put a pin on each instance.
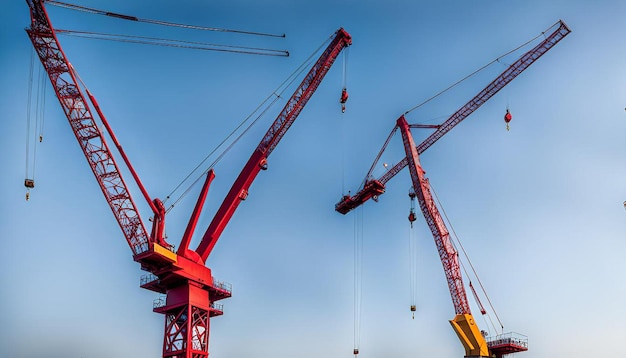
(507, 343)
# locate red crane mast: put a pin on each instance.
(463, 323)
(191, 291)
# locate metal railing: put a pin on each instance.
(508, 338)
(147, 278)
(159, 302)
(223, 285)
(217, 306)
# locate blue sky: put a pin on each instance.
(538, 208)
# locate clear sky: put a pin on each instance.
(538, 208)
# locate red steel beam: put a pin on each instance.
(258, 160)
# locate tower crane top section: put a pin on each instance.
(373, 187)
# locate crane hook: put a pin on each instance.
(29, 184)
(507, 118)
(343, 99)
(412, 216)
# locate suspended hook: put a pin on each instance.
(29, 184)
(343, 99)
(507, 118)
(412, 216)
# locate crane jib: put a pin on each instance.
(83, 124)
(271, 139)
(520, 65)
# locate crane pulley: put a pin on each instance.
(412, 216)
(343, 99)
(507, 118)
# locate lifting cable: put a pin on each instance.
(344, 85)
(378, 156)
(358, 277)
(412, 254)
(155, 22)
(29, 180)
(458, 241)
(261, 110)
(42, 105)
(157, 41)
(473, 73)
(413, 269)
(38, 104)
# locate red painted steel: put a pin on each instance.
(348, 203)
(85, 129)
(191, 291)
(183, 248)
(507, 343)
(258, 160)
(447, 252)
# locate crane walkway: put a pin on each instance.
(507, 343)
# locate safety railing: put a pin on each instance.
(217, 306)
(511, 338)
(159, 302)
(223, 285)
(147, 278)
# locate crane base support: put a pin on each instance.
(473, 341)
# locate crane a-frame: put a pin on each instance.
(190, 288)
(463, 323)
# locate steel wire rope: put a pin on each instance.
(358, 277)
(458, 240)
(219, 157)
(473, 73)
(370, 173)
(413, 267)
(165, 42)
(155, 22)
(39, 114)
(344, 84)
(42, 108)
(28, 114)
(276, 95)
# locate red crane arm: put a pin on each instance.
(258, 160)
(447, 252)
(85, 128)
(375, 187)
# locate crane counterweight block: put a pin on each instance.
(371, 190)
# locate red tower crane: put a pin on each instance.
(463, 323)
(191, 291)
